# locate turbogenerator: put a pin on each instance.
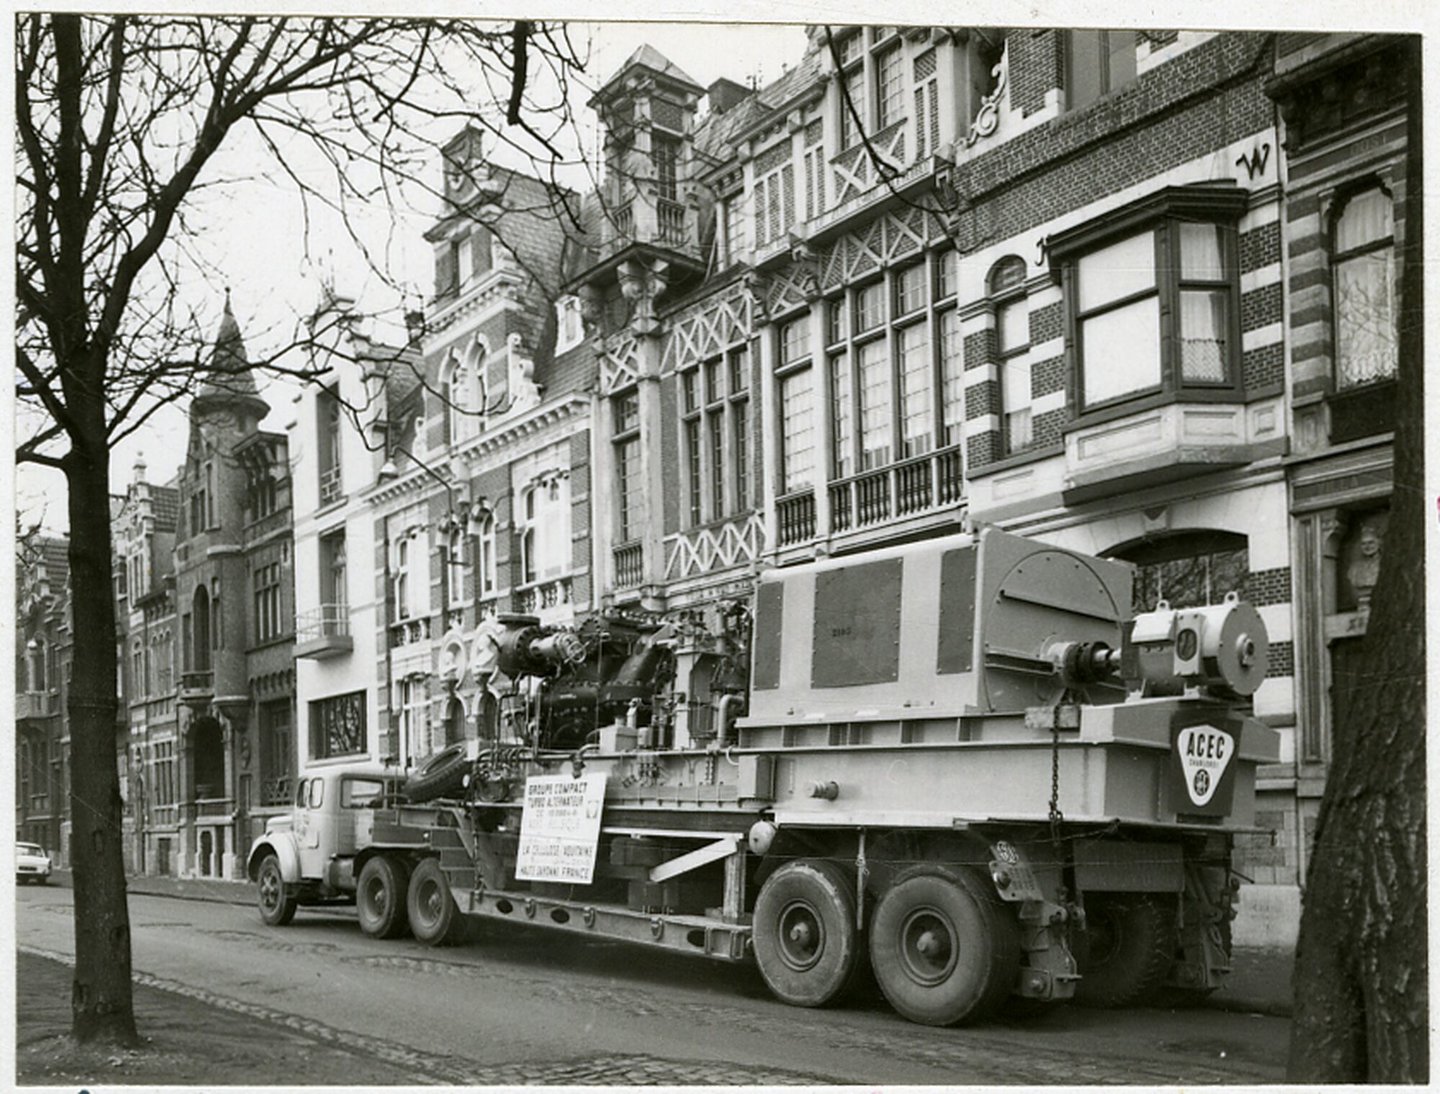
(961, 764)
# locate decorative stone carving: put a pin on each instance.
(524, 391)
(806, 268)
(987, 119)
(642, 283)
(1364, 562)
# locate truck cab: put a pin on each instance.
(307, 856)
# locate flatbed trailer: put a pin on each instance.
(962, 764)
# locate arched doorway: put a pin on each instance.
(207, 751)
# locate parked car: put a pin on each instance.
(31, 863)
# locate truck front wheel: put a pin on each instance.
(434, 918)
(805, 939)
(380, 897)
(277, 905)
(943, 948)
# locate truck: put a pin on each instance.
(961, 769)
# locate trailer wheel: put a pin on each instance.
(380, 897)
(804, 932)
(943, 948)
(434, 918)
(1125, 950)
(277, 906)
(442, 775)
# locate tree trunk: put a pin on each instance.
(101, 1004)
(1361, 998)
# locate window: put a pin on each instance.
(731, 228)
(137, 671)
(797, 406)
(569, 324)
(455, 568)
(357, 792)
(202, 499)
(412, 575)
(889, 86)
(912, 347)
(1154, 310)
(1363, 267)
(627, 465)
(327, 409)
(201, 636)
(277, 754)
(1012, 343)
(842, 425)
(715, 435)
(665, 152)
(473, 256)
(485, 584)
(1188, 570)
(544, 528)
(814, 160)
(927, 105)
(774, 193)
(952, 377)
(1096, 63)
(874, 388)
(462, 386)
(37, 664)
(266, 579)
(337, 726)
(162, 772)
(414, 726)
(849, 107)
(333, 595)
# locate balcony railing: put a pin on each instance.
(629, 561)
(641, 220)
(795, 518)
(197, 682)
(889, 493)
(671, 218)
(409, 631)
(542, 596)
(277, 791)
(211, 808)
(323, 632)
(36, 704)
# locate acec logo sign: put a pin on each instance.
(1204, 753)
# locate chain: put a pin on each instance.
(1056, 817)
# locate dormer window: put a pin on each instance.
(473, 257)
(569, 324)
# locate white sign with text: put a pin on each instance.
(560, 828)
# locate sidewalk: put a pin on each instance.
(1260, 981)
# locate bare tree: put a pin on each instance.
(1361, 976)
(119, 120)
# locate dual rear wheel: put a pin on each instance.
(943, 949)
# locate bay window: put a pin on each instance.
(1152, 293)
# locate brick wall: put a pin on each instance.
(1036, 66)
(1267, 587)
(1263, 367)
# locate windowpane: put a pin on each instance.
(1203, 329)
(795, 340)
(869, 308)
(1201, 253)
(909, 290)
(952, 377)
(1117, 271)
(1120, 351)
(716, 426)
(1365, 319)
(849, 105)
(890, 85)
(835, 322)
(945, 264)
(1368, 218)
(690, 397)
(797, 431)
(842, 416)
(627, 412)
(627, 458)
(741, 447)
(1012, 325)
(875, 405)
(739, 371)
(916, 414)
(1015, 400)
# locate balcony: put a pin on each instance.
(718, 546)
(407, 632)
(323, 632)
(36, 704)
(921, 485)
(277, 791)
(795, 518)
(549, 600)
(629, 562)
(197, 686)
(1165, 444)
(641, 221)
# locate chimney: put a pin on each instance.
(724, 94)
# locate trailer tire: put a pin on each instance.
(277, 904)
(805, 940)
(442, 775)
(434, 917)
(944, 949)
(380, 897)
(1125, 950)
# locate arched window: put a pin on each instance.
(545, 529)
(462, 386)
(1362, 262)
(485, 557)
(412, 575)
(1187, 569)
(1006, 287)
(455, 568)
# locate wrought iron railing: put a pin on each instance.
(326, 621)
